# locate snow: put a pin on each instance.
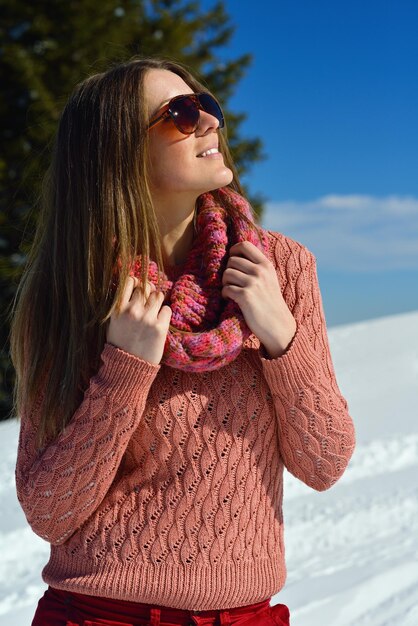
(351, 551)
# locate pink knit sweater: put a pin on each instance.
(166, 487)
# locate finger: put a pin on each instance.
(151, 306)
(149, 288)
(165, 314)
(128, 288)
(234, 277)
(232, 291)
(247, 250)
(137, 295)
(242, 264)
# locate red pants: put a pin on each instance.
(63, 608)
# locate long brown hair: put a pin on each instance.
(96, 217)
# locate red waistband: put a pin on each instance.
(128, 608)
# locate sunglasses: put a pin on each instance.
(185, 111)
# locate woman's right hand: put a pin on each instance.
(141, 326)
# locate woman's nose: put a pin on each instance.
(207, 123)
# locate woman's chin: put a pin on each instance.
(223, 177)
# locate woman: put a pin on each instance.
(171, 359)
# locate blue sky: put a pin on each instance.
(333, 94)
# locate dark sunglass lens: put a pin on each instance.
(185, 115)
(210, 105)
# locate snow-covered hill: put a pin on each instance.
(351, 551)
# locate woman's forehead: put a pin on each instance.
(162, 85)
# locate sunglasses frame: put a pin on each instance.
(194, 97)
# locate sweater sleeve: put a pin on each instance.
(60, 486)
(316, 432)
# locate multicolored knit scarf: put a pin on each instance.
(206, 330)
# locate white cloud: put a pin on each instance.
(352, 232)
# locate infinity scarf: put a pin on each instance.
(206, 330)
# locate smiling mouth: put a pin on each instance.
(208, 152)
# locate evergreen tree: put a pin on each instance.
(46, 48)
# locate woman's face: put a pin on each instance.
(176, 167)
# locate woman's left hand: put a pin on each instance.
(250, 280)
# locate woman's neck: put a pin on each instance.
(177, 239)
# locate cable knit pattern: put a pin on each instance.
(166, 486)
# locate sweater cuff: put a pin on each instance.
(297, 368)
(124, 375)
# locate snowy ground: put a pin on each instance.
(352, 551)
